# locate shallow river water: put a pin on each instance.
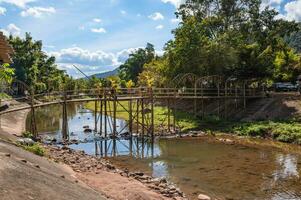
(195, 165)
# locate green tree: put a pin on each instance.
(133, 66)
(6, 73)
(33, 66)
(228, 37)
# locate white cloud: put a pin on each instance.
(271, 3)
(2, 11)
(175, 20)
(38, 11)
(156, 16)
(176, 3)
(18, 3)
(96, 20)
(123, 12)
(89, 62)
(11, 29)
(98, 30)
(293, 10)
(160, 26)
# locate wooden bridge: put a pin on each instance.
(140, 102)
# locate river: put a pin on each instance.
(195, 165)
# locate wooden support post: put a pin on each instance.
(100, 116)
(203, 111)
(101, 148)
(244, 91)
(225, 97)
(33, 125)
(130, 117)
(195, 101)
(137, 119)
(106, 114)
(95, 116)
(152, 115)
(96, 149)
(114, 114)
(168, 114)
(219, 101)
(174, 114)
(65, 118)
(142, 117)
(106, 148)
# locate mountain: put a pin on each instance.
(106, 74)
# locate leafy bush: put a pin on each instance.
(282, 131)
(27, 134)
(36, 149)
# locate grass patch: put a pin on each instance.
(186, 121)
(289, 132)
(35, 148)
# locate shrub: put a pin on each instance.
(27, 134)
(36, 149)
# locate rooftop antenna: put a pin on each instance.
(82, 72)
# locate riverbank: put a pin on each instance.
(96, 176)
(104, 177)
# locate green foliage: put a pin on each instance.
(282, 131)
(34, 67)
(221, 37)
(27, 134)
(4, 96)
(36, 149)
(133, 66)
(6, 73)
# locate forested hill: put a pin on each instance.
(106, 74)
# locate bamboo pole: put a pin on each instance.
(219, 101)
(130, 117)
(65, 118)
(168, 114)
(106, 114)
(245, 102)
(33, 118)
(100, 116)
(137, 120)
(142, 117)
(95, 116)
(152, 114)
(114, 114)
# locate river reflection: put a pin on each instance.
(223, 171)
(195, 165)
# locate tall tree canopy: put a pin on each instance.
(133, 66)
(33, 66)
(231, 38)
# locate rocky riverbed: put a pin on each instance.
(83, 163)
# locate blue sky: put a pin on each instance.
(98, 35)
